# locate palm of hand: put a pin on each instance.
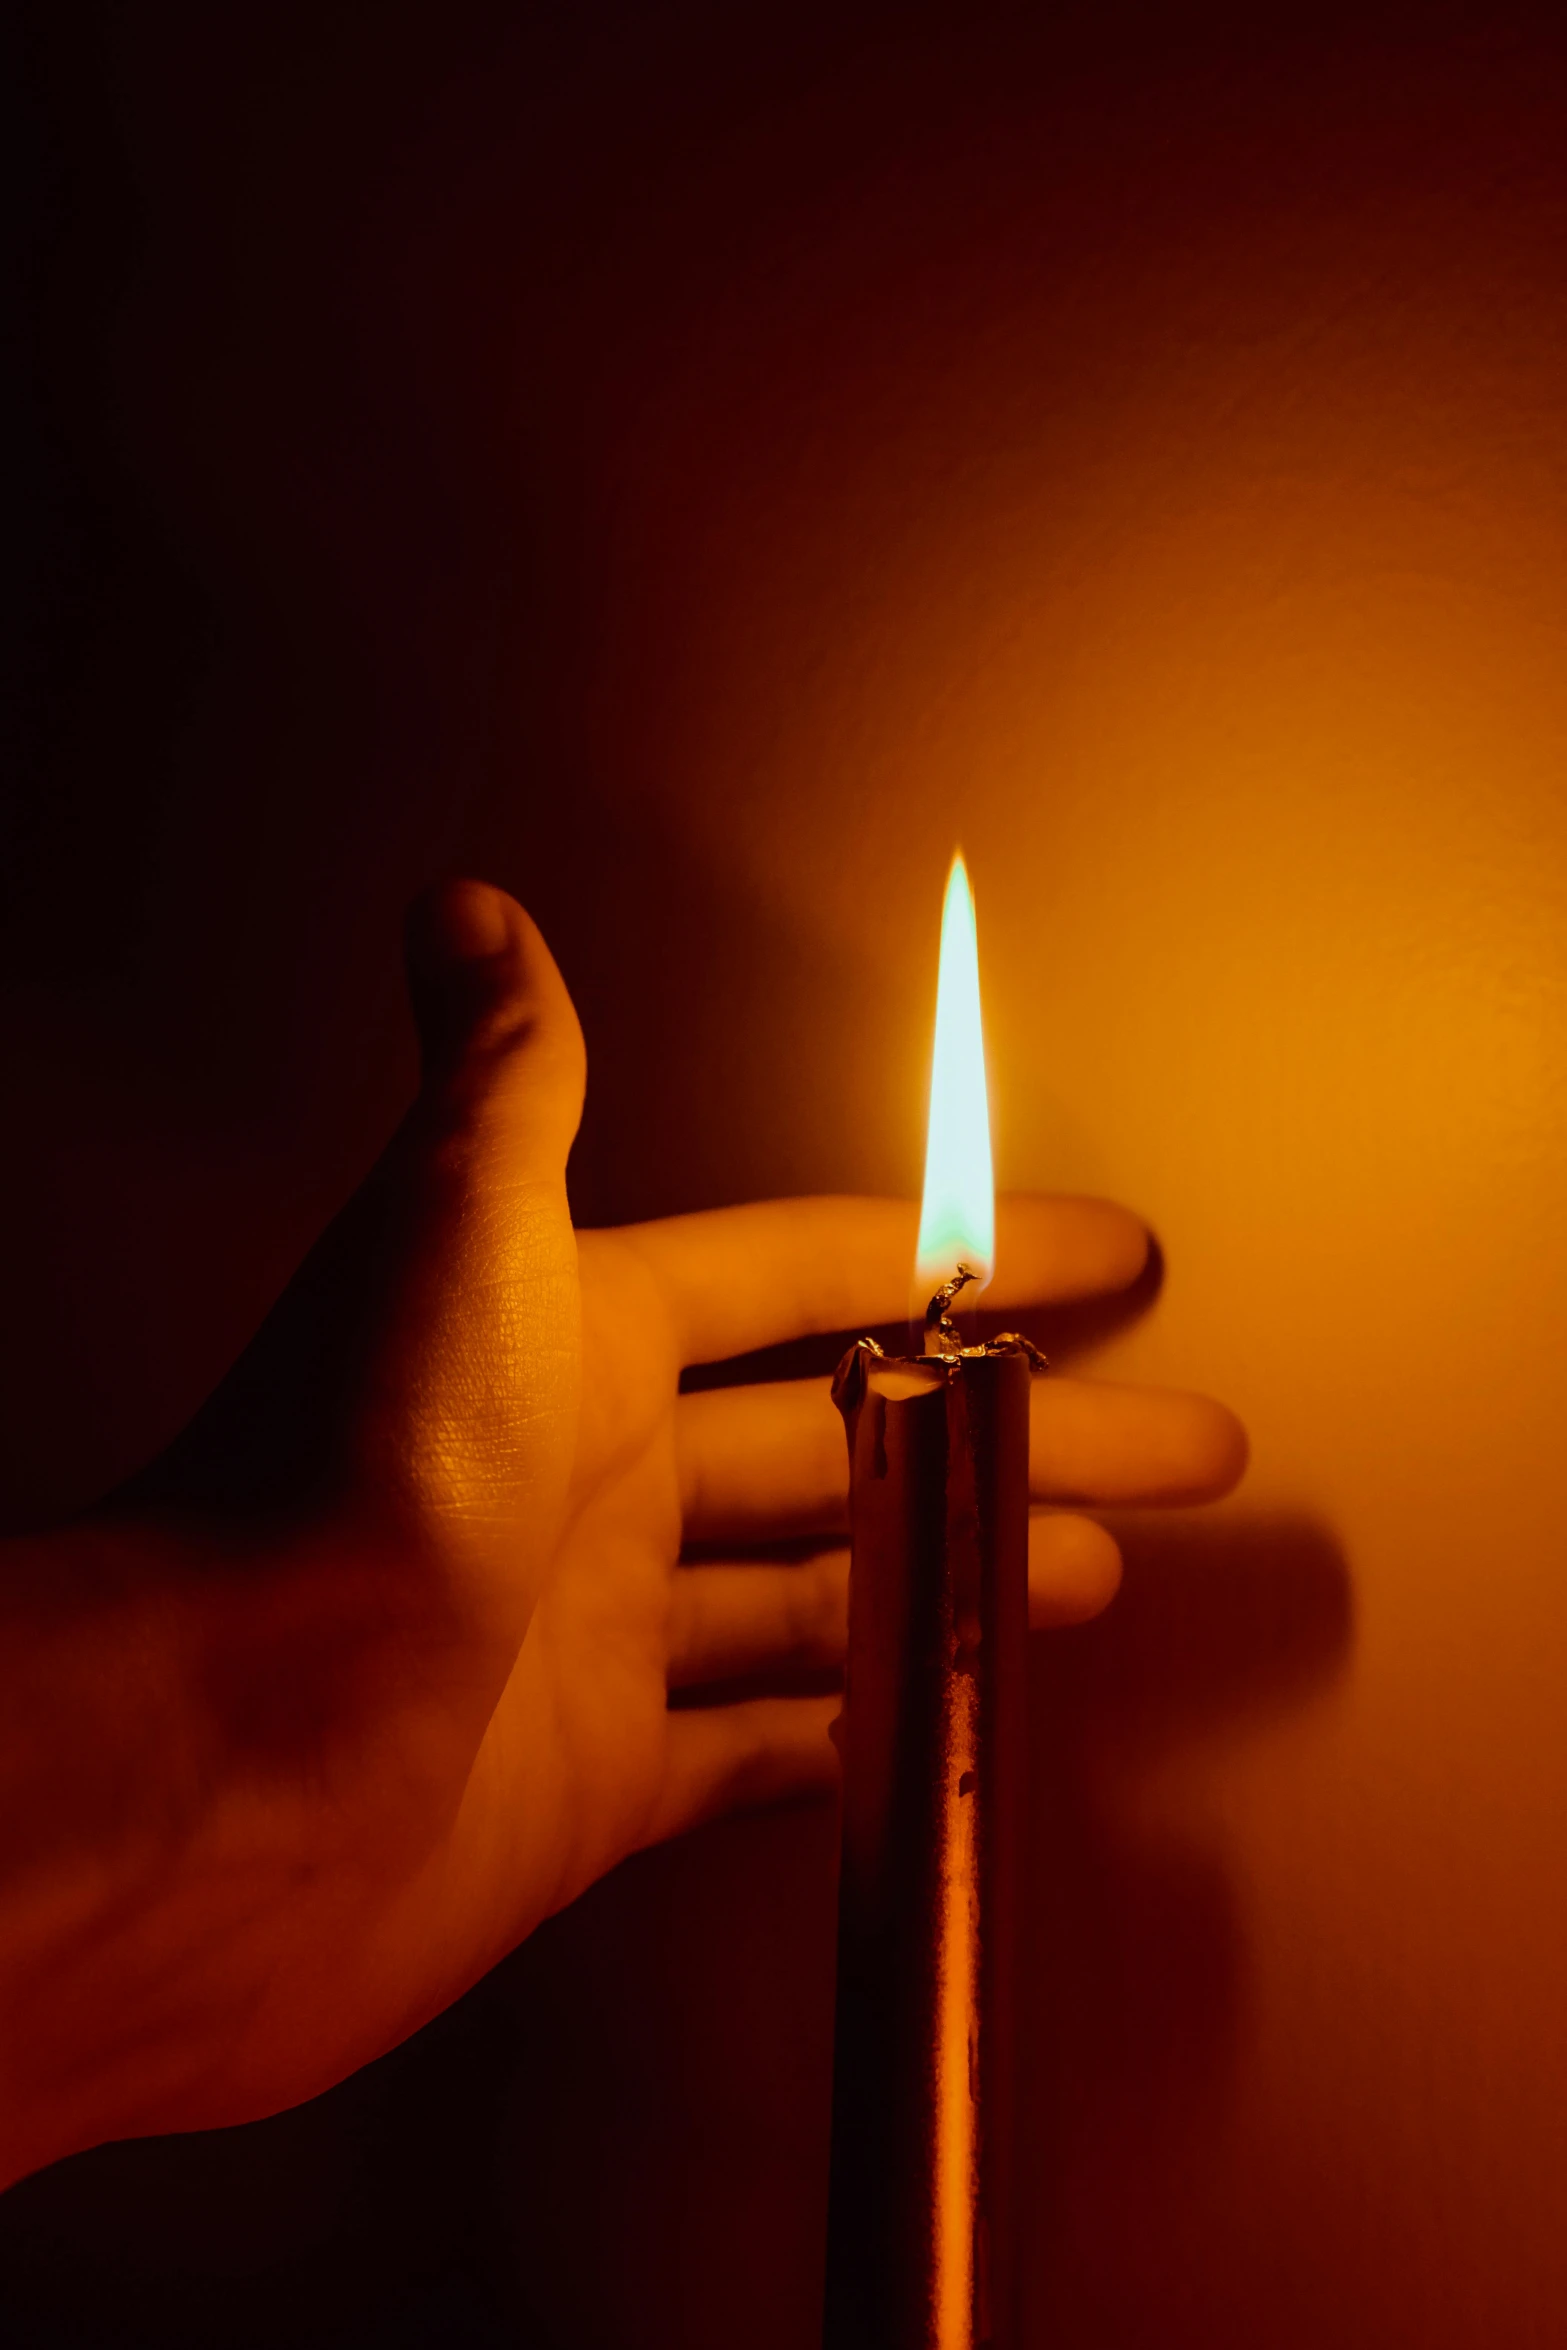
(586, 1706)
(442, 1707)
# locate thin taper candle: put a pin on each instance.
(933, 1741)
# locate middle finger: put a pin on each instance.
(767, 1463)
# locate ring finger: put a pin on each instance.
(731, 1622)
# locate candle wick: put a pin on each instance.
(941, 1337)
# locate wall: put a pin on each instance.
(694, 475)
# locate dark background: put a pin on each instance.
(362, 481)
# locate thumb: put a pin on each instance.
(424, 1358)
(500, 1044)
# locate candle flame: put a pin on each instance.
(958, 1214)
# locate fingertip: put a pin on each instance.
(1117, 1241)
(1130, 1244)
(1064, 1247)
(1074, 1569)
(460, 942)
(496, 1023)
(1227, 1447)
(458, 922)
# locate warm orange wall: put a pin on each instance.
(1164, 491)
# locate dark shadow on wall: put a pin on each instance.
(1137, 1970)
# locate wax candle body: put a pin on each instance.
(933, 1736)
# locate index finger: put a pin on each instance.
(740, 1278)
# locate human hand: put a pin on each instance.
(371, 1673)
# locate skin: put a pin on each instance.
(305, 1729)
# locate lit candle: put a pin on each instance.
(933, 1737)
